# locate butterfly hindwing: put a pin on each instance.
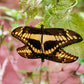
(61, 56)
(27, 52)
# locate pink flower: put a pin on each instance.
(6, 32)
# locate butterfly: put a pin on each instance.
(46, 43)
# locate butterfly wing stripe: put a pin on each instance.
(25, 36)
(25, 33)
(62, 57)
(63, 33)
(26, 52)
(35, 45)
(18, 34)
(50, 46)
(61, 41)
(62, 37)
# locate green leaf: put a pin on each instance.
(4, 8)
(54, 11)
(81, 14)
(22, 71)
(82, 78)
(31, 7)
(36, 75)
(8, 18)
(38, 17)
(13, 13)
(81, 61)
(49, 9)
(45, 68)
(1, 32)
(43, 82)
(75, 23)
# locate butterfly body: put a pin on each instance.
(46, 43)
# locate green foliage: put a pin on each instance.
(45, 68)
(81, 14)
(31, 7)
(75, 23)
(17, 15)
(48, 9)
(24, 72)
(1, 33)
(81, 61)
(82, 78)
(43, 82)
(14, 16)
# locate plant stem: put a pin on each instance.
(47, 72)
(74, 4)
(40, 72)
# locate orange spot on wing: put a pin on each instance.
(57, 53)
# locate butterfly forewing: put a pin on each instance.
(62, 57)
(63, 34)
(61, 38)
(18, 33)
(26, 33)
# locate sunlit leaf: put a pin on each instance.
(43, 82)
(1, 32)
(7, 18)
(81, 61)
(81, 14)
(13, 13)
(82, 78)
(36, 75)
(75, 23)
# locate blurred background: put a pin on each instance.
(14, 69)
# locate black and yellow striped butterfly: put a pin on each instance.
(46, 43)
